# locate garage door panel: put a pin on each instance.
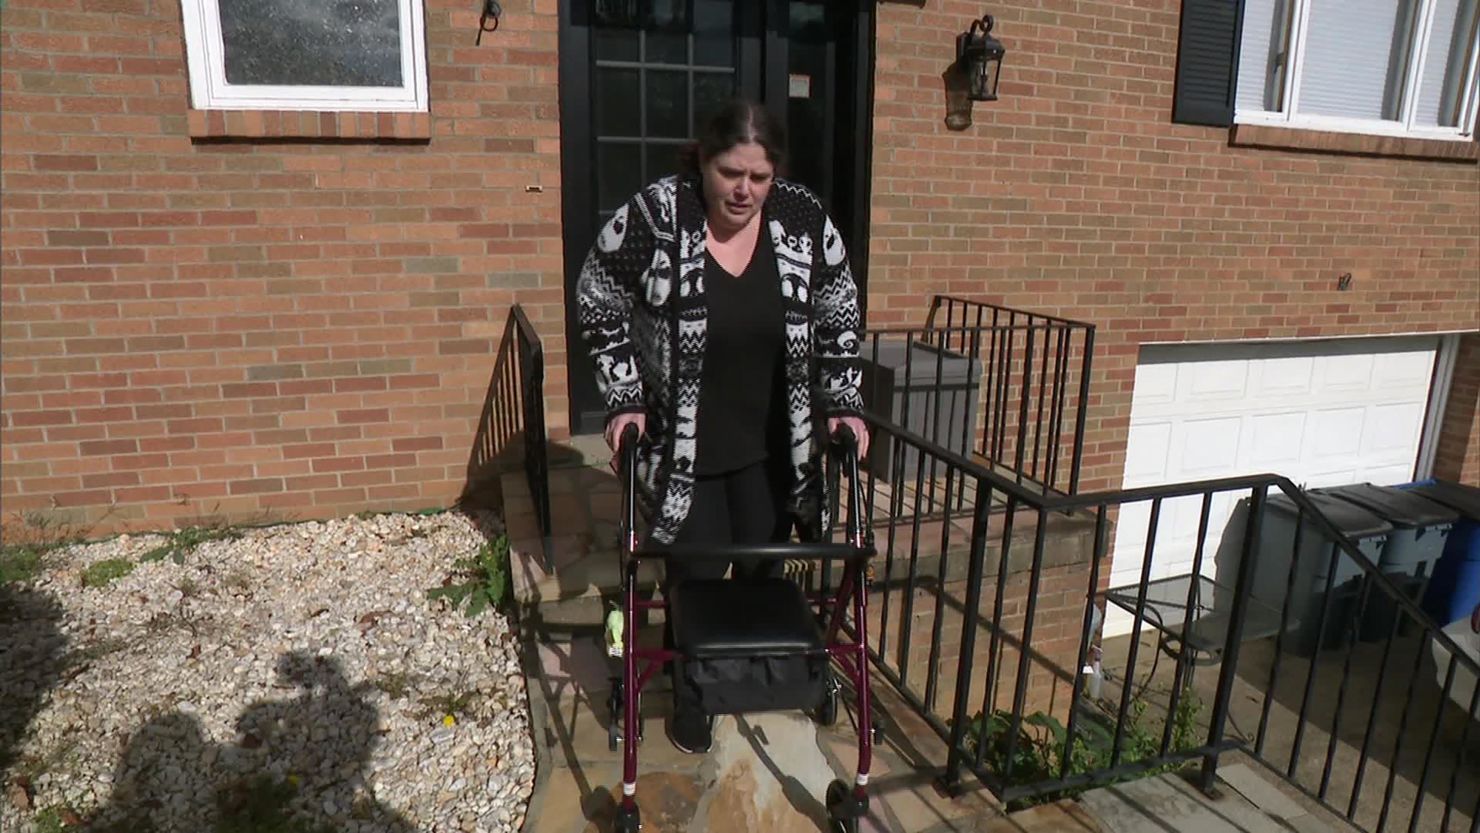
(1336, 432)
(1410, 370)
(1351, 374)
(1160, 383)
(1146, 453)
(1276, 440)
(1394, 429)
(1293, 376)
(1218, 382)
(1319, 413)
(1210, 447)
(1388, 475)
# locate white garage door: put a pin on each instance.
(1321, 413)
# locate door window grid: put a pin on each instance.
(697, 78)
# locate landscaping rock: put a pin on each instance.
(296, 671)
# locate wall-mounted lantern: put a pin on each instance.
(979, 57)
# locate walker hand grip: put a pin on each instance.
(735, 552)
(627, 449)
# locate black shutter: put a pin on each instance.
(1207, 62)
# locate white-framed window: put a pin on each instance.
(1386, 67)
(358, 55)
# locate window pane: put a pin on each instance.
(662, 160)
(1356, 54)
(340, 43)
(1262, 55)
(711, 90)
(669, 14)
(618, 173)
(1443, 81)
(667, 48)
(617, 102)
(618, 12)
(714, 33)
(616, 44)
(667, 104)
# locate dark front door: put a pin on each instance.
(637, 78)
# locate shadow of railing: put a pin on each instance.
(511, 427)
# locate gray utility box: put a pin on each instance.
(1307, 587)
(940, 387)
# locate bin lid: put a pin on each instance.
(1457, 496)
(924, 362)
(1402, 509)
(1354, 521)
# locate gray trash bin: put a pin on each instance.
(940, 387)
(1420, 530)
(1313, 566)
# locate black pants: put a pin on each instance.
(740, 507)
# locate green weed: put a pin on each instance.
(182, 542)
(107, 571)
(484, 579)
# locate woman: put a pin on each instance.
(723, 320)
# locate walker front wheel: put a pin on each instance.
(627, 820)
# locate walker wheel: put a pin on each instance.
(627, 820)
(844, 808)
(826, 713)
(614, 716)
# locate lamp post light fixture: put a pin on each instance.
(979, 57)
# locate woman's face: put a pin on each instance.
(736, 183)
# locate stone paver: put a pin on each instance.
(766, 772)
(1169, 804)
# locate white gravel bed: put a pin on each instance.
(300, 661)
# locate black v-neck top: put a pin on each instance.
(741, 394)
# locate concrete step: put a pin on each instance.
(1064, 816)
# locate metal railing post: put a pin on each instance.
(1248, 562)
(951, 779)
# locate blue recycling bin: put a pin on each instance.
(1313, 569)
(1454, 590)
(1421, 530)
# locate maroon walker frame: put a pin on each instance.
(846, 804)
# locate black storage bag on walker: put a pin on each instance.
(749, 646)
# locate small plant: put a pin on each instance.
(237, 581)
(105, 572)
(182, 542)
(395, 685)
(30, 536)
(261, 805)
(50, 820)
(485, 579)
(1038, 754)
(19, 562)
(441, 707)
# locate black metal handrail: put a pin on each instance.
(954, 497)
(515, 408)
(1028, 372)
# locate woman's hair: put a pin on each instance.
(737, 122)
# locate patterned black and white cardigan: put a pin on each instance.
(642, 315)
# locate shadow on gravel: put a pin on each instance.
(297, 765)
(32, 662)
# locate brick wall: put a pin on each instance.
(299, 327)
(1074, 193)
(1458, 454)
(256, 328)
